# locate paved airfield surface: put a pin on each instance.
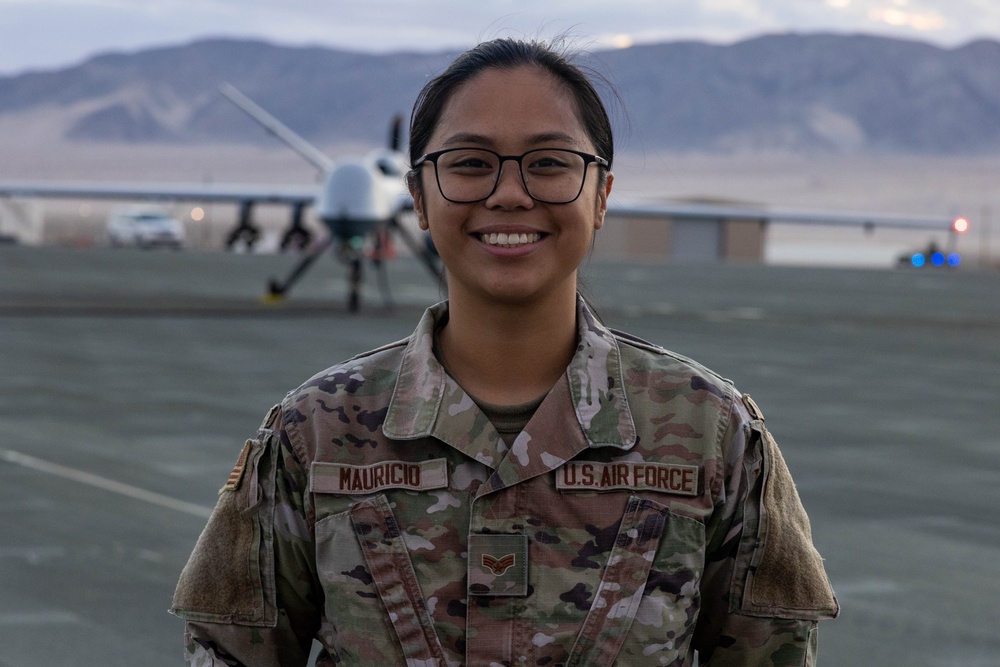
(129, 380)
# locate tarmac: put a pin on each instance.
(129, 381)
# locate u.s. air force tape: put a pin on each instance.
(359, 479)
(596, 476)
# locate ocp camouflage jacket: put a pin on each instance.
(642, 514)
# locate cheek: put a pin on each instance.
(442, 216)
(444, 226)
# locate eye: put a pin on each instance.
(470, 162)
(550, 162)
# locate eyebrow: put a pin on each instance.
(536, 139)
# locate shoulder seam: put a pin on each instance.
(635, 341)
(403, 342)
(341, 364)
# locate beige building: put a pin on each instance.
(726, 234)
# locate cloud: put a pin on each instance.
(900, 18)
(44, 33)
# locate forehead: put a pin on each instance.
(511, 106)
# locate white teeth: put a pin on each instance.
(509, 240)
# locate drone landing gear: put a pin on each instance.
(276, 290)
(296, 236)
(352, 254)
(245, 232)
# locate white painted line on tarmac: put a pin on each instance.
(104, 483)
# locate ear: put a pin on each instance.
(602, 201)
(418, 200)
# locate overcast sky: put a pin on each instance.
(46, 34)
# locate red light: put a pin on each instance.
(960, 225)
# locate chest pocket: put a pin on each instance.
(645, 606)
(372, 594)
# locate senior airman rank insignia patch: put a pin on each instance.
(498, 565)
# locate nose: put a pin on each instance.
(510, 191)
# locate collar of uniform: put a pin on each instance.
(420, 383)
(597, 386)
(424, 392)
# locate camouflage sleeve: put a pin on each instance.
(249, 591)
(764, 588)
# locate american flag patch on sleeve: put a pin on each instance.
(241, 465)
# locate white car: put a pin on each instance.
(146, 228)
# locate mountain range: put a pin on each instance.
(816, 93)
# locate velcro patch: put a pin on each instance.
(361, 479)
(595, 476)
(236, 475)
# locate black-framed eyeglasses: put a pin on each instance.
(549, 175)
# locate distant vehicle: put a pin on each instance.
(932, 257)
(145, 228)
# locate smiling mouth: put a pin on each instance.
(510, 240)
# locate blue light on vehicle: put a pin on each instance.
(937, 259)
(918, 259)
(954, 259)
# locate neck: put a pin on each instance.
(509, 353)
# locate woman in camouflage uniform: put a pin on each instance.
(514, 484)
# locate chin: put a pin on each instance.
(522, 292)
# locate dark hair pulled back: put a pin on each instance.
(507, 53)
